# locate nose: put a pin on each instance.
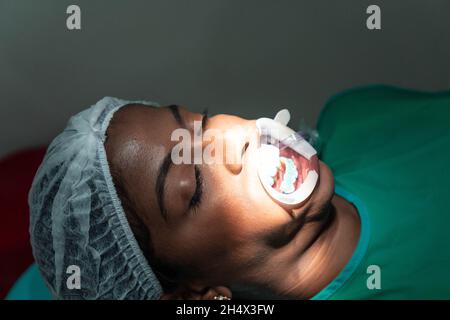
(236, 135)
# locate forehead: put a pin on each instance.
(138, 140)
(138, 132)
(141, 121)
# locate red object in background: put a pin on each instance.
(16, 175)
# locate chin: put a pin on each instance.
(322, 194)
(324, 190)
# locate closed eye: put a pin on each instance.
(196, 199)
(198, 193)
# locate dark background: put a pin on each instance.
(246, 57)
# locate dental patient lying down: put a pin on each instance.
(153, 202)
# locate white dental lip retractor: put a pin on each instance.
(288, 165)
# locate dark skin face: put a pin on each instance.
(235, 234)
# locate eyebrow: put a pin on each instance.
(165, 166)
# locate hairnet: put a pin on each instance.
(76, 217)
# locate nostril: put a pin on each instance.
(244, 148)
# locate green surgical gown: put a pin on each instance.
(389, 150)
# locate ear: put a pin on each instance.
(198, 292)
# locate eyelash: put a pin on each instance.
(197, 196)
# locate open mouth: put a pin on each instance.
(284, 169)
(291, 171)
(288, 170)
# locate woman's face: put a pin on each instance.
(213, 220)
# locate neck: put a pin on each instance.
(331, 250)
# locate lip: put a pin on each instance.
(304, 166)
(297, 149)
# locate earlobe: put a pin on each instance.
(217, 293)
(199, 293)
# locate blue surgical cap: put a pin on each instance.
(76, 217)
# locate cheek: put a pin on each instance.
(245, 210)
(203, 244)
(226, 231)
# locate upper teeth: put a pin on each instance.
(270, 162)
(290, 176)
